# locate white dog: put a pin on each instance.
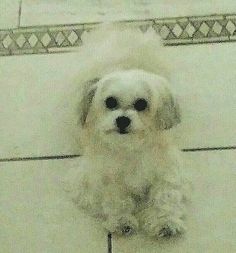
(130, 176)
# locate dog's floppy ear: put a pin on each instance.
(168, 113)
(88, 93)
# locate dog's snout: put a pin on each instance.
(123, 122)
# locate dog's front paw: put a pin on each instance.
(122, 226)
(128, 226)
(171, 229)
(128, 230)
(161, 227)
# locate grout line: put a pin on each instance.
(61, 157)
(208, 149)
(21, 159)
(109, 243)
(19, 13)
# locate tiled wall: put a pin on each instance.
(174, 31)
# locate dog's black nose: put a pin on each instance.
(122, 122)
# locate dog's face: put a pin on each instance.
(127, 106)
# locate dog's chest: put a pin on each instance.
(133, 175)
(130, 172)
(139, 177)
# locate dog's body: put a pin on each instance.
(142, 190)
(130, 176)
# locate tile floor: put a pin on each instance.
(35, 215)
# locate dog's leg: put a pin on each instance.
(164, 213)
(109, 203)
(118, 208)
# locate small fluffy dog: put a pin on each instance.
(130, 176)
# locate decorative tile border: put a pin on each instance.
(174, 31)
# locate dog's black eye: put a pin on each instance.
(111, 103)
(140, 104)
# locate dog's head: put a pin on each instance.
(126, 106)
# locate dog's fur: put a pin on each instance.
(135, 181)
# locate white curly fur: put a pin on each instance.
(130, 182)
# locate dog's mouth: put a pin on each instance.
(118, 131)
(122, 131)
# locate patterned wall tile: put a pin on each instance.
(174, 31)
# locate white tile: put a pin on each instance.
(36, 116)
(203, 77)
(74, 11)
(36, 216)
(37, 110)
(9, 13)
(211, 217)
